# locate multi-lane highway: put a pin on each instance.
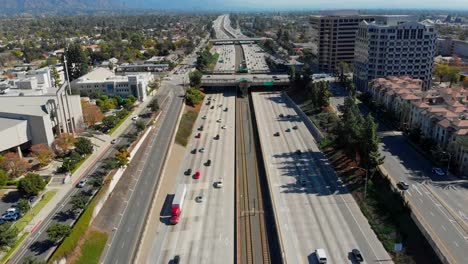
(205, 233)
(314, 209)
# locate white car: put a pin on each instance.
(199, 199)
(113, 141)
(223, 127)
(219, 120)
(204, 117)
(202, 150)
(82, 183)
(134, 118)
(218, 183)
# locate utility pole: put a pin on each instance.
(72, 123)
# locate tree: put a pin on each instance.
(343, 68)
(8, 235)
(140, 125)
(369, 145)
(43, 154)
(195, 78)
(3, 178)
(79, 202)
(122, 157)
(55, 77)
(57, 232)
(77, 61)
(31, 184)
(453, 75)
(91, 113)
(349, 129)
(193, 96)
(83, 146)
(23, 206)
(440, 70)
(110, 121)
(64, 142)
(14, 164)
(154, 105)
(33, 260)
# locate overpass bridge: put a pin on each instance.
(237, 40)
(245, 79)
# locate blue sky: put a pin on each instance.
(309, 4)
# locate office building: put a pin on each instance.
(334, 34)
(102, 80)
(393, 46)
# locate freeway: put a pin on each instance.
(205, 233)
(439, 202)
(128, 232)
(313, 207)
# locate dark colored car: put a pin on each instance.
(212, 107)
(176, 259)
(188, 172)
(217, 137)
(294, 127)
(276, 134)
(403, 185)
(200, 128)
(281, 115)
(298, 152)
(198, 135)
(288, 130)
(194, 151)
(357, 255)
(208, 163)
(225, 109)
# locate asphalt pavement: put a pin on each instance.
(205, 233)
(314, 209)
(440, 202)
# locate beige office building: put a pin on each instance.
(334, 34)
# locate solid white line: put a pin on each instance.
(456, 244)
(443, 227)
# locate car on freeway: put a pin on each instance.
(357, 255)
(438, 171)
(176, 259)
(288, 116)
(276, 134)
(218, 183)
(403, 185)
(212, 107)
(298, 152)
(199, 199)
(200, 128)
(216, 137)
(197, 175)
(281, 115)
(202, 150)
(204, 117)
(188, 172)
(113, 141)
(219, 120)
(223, 127)
(225, 109)
(294, 127)
(198, 135)
(82, 183)
(288, 130)
(193, 151)
(208, 163)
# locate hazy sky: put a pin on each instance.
(337, 4)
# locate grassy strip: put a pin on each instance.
(24, 221)
(112, 130)
(92, 248)
(13, 249)
(80, 163)
(185, 127)
(69, 243)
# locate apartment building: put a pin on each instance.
(394, 46)
(334, 34)
(102, 80)
(440, 112)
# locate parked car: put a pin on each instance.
(82, 183)
(357, 255)
(9, 217)
(403, 185)
(438, 171)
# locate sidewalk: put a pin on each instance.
(101, 144)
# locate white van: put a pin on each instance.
(321, 255)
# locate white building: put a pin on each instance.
(391, 47)
(102, 80)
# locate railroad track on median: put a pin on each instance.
(252, 240)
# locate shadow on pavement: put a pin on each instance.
(11, 197)
(39, 247)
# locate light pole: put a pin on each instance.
(448, 163)
(365, 186)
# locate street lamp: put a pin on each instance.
(365, 186)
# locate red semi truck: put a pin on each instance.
(177, 203)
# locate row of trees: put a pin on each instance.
(447, 73)
(358, 135)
